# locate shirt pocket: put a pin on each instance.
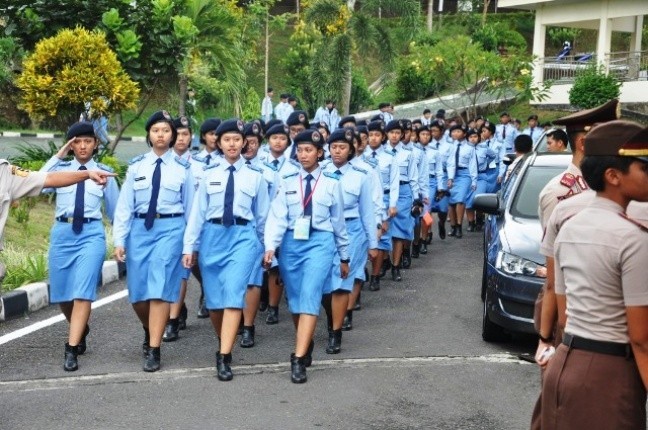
(215, 194)
(93, 196)
(403, 166)
(245, 197)
(322, 207)
(65, 196)
(351, 193)
(294, 203)
(170, 192)
(142, 191)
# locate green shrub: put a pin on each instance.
(31, 152)
(22, 267)
(360, 96)
(593, 87)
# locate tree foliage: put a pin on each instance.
(72, 68)
(593, 87)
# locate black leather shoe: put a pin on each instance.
(385, 266)
(459, 234)
(453, 232)
(374, 283)
(308, 358)
(182, 319)
(471, 226)
(442, 230)
(358, 304)
(347, 324)
(273, 315)
(263, 306)
(82, 346)
(334, 342)
(145, 344)
(247, 340)
(416, 250)
(203, 312)
(428, 240)
(171, 331)
(396, 274)
(223, 369)
(152, 359)
(423, 248)
(297, 369)
(70, 364)
(407, 260)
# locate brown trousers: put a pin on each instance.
(588, 390)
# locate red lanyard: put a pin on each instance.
(301, 190)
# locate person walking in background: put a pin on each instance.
(266, 106)
(533, 129)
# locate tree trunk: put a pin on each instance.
(430, 11)
(486, 4)
(267, 49)
(183, 85)
(121, 127)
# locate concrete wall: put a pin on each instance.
(631, 92)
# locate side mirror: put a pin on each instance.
(508, 159)
(487, 203)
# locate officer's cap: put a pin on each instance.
(346, 119)
(394, 124)
(586, 119)
(233, 125)
(181, 122)
(279, 129)
(490, 126)
(159, 116)
(534, 117)
(210, 124)
(253, 129)
(310, 136)
(345, 135)
(83, 128)
(297, 117)
(376, 126)
(618, 138)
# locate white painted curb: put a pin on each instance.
(37, 295)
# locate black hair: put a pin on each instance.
(594, 167)
(559, 134)
(523, 143)
(573, 136)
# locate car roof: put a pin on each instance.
(550, 160)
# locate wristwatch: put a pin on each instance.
(347, 261)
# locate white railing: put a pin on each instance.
(625, 66)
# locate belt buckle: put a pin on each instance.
(69, 220)
(157, 216)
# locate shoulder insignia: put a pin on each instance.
(181, 161)
(642, 226)
(331, 175)
(270, 166)
(290, 175)
(211, 166)
(105, 167)
(66, 163)
(581, 183)
(359, 169)
(198, 159)
(294, 163)
(19, 171)
(137, 159)
(255, 168)
(372, 161)
(407, 148)
(568, 180)
(389, 153)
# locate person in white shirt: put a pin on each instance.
(266, 106)
(533, 129)
(280, 109)
(328, 114)
(426, 119)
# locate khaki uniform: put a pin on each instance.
(600, 267)
(567, 184)
(638, 211)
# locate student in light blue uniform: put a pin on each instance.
(433, 170)
(297, 122)
(496, 171)
(506, 132)
(462, 177)
(226, 222)
(307, 219)
(77, 239)
(360, 220)
(390, 188)
(149, 224)
(438, 150)
(423, 195)
(485, 155)
(401, 227)
(533, 130)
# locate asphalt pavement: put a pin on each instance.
(414, 360)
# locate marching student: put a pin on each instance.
(423, 183)
(462, 177)
(440, 149)
(226, 221)
(434, 170)
(149, 224)
(485, 156)
(77, 239)
(307, 219)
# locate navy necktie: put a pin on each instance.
(373, 154)
(275, 163)
(79, 206)
(504, 132)
(457, 154)
(438, 145)
(337, 172)
(308, 208)
(247, 162)
(152, 209)
(393, 150)
(228, 209)
(208, 159)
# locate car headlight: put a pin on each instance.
(514, 265)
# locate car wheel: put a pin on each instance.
(491, 332)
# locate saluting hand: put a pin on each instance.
(344, 270)
(120, 254)
(63, 152)
(267, 259)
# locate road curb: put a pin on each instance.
(51, 136)
(35, 296)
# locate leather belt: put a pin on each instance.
(461, 168)
(143, 216)
(608, 348)
(432, 176)
(386, 191)
(237, 221)
(403, 182)
(71, 219)
(351, 218)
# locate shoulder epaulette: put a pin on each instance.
(181, 161)
(331, 175)
(407, 148)
(359, 169)
(105, 167)
(270, 166)
(198, 159)
(642, 226)
(255, 168)
(568, 180)
(294, 163)
(390, 153)
(290, 175)
(372, 161)
(66, 163)
(211, 166)
(137, 159)
(418, 145)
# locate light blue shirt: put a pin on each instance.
(422, 167)
(499, 149)
(534, 132)
(371, 166)
(332, 118)
(327, 215)
(283, 165)
(467, 160)
(485, 155)
(406, 162)
(511, 134)
(388, 170)
(358, 202)
(251, 201)
(177, 187)
(434, 164)
(445, 150)
(269, 175)
(66, 196)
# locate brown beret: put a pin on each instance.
(618, 138)
(584, 120)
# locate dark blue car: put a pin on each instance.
(513, 270)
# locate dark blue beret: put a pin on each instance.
(459, 127)
(346, 134)
(279, 129)
(394, 124)
(440, 124)
(253, 129)
(346, 119)
(376, 126)
(181, 122)
(159, 116)
(362, 129)
(233, 125)
(361, 122)
(83, 128)
(271, 124)
(378, 117)
(297, 117)
(471, 131)
(406, 124)
(210, 124)
(323, 125)
(310, 136)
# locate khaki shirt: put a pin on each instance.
(14, 184)
(601, 268)
(638, 211)
(561, 187)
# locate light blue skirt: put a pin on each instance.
(434, 205)
(305, 267)
(154, 260)
(256, 268)
(482, 187)
(402, 226)
(75, 261)
(491, 175)
(460, 187)
(358, 249)
(226, 256)
(385, 242)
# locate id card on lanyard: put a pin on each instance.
(303, 223)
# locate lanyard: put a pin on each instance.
(301, 190)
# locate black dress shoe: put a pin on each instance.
(347, 324)
(82, 346)
(263, 306)
(471, 226)
(297, 369)
(334, 342)
(453, 232)
(374, 283)
(396, 274)
(273, 315)
(459, 234)
(171, 331)
(182, 319)
(308, 358)
(423, 248)
(152, 359)
(429, 237)
(223, 369)
(247, 340)
(416, 250)
(407, 260)
(70, 364)
(385, 266)
(239, 332)
(442, 231)
(203, 312)
(145, 344)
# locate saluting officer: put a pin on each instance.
(77, 239)
(307, 219)
(149, 223)
(462, 177)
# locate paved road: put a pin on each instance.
(415, 360)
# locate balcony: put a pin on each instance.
(625, 66)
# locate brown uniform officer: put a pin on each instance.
(597, 379)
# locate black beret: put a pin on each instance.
(346, 134)
(406, 124)
(181, 122)
(310, 136)
(346, 119)
(440, 113)
(471, 131)
(362, 129)
(323, 125)
(376, 126)
(490, 126)
(440, 124)
(394, 124)
(210, 124)
(361, 122)
(618, 138)
(297, 117)
(233, 125)
(584, 120)
(83, 128)
(252, 129)
(271, 124)
(459, 127)
(379, 117)
(280, 128)
(159, 116)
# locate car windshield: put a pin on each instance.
(525, 204)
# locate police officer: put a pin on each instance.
(462, 177)
(307, 219)
(600, 257)
(149, 223)
(77, 239)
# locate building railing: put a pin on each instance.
(625, 66)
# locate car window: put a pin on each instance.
(507, 187)
(525, 204)
(541, 145)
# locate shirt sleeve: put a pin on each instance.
(424, 180)
(124, 211)
(111, 195)
(413, 175)
(559, 278)
(25, 183)
(394, 184)
(337, 220)
(196, 219)
(633, 256)
(367, 212)
(277, 220)
(261, 207)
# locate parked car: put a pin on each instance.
(513, 268)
